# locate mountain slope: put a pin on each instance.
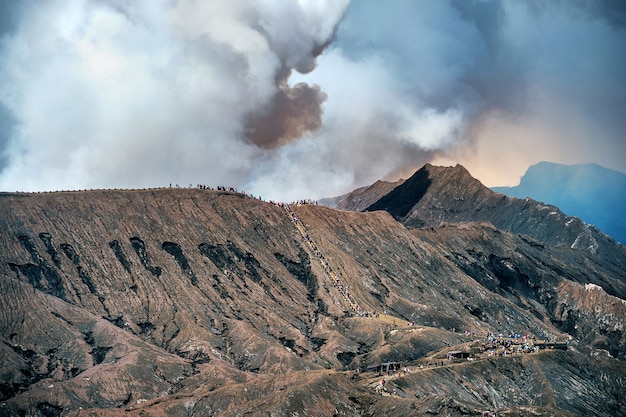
(180, 301)
(595, 194)
(361, 198)
(436, 195)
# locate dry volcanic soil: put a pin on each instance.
(193, 302)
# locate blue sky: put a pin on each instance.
(311, 98)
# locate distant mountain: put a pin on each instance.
(595, 194)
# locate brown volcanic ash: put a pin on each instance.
(292, 112)
(181, 301)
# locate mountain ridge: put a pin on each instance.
(436, 195)
(361, 198)
(203, 302)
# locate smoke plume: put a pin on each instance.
(292, 112)
(304, 98)
(147, 93)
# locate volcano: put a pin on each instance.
(212, 302)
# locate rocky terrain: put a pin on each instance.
(436, 195)
(202, 302)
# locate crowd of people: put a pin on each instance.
(234, 190)
(502, 346)
(343, 289)
(223, 188)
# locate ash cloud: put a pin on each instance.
(109, 93)
(292, 112)
(305, 98)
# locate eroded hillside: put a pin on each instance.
(195, 302)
